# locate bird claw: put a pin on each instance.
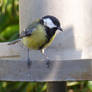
(48, 63)
(29, 63)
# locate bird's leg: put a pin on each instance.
(47, 59)
(29, 62)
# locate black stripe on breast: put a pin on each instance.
(50, 33)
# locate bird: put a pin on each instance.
(39, 35)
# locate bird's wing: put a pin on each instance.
(28, 31)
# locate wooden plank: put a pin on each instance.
(18, 51)
(16, 70)
(10, 50)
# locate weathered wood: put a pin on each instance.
(8, 51)
(18, 51)
(73, 43)
(56, 86)
(16, 70)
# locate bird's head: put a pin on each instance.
(51, 22)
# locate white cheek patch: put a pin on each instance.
(48, 22)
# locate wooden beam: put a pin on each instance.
(17, 70)
(56, 86)
(18, 51)
(13, 66)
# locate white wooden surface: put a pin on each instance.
(75, 16)
(13, 67)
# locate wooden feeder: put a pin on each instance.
(70, 53)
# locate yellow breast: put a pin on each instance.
(37, 39)
(51, 40)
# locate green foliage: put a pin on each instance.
(9, 19)
(22, 87)
(90, 85)
(9, 33)
(79, 86)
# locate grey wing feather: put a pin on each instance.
(25, 33)
(28, 31)
(14, 42)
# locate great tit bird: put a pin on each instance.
(39, 35)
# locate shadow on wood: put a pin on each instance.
(16, 70)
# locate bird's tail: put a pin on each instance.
(14, 42)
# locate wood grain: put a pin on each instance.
(17, 70)
(13, 66)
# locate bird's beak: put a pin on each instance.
(59, 28)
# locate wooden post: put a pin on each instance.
(66, 11)
(56, 86)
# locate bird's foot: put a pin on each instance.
(29, 62)
(48, 63)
